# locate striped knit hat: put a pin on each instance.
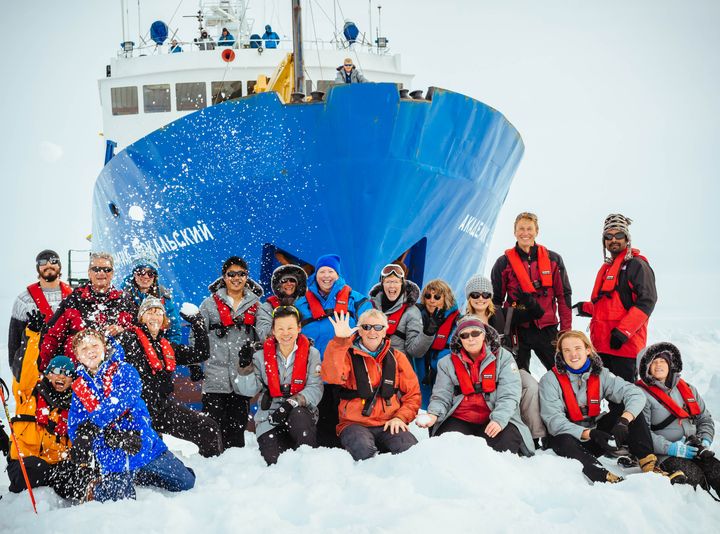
(617, 221)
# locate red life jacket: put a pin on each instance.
(42, 416)
(41, 302)
(225, 312)
(571, 403)
(608, 275)
(341, 303)
(299, 372)
(521, 270)
(88, 399)
(678, 411)
(443, 334)
(152, 357)
(273, 301)
(394, 319)
(488, 378)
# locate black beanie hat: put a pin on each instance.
(234, 260)
(46, 255)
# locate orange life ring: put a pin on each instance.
(228, 55)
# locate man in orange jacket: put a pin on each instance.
(380, 392)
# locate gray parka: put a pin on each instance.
(221, 367)
(408, 337)
(504, 402)
(263, 325)
(613, 388)
(655, 412)
(256, 381)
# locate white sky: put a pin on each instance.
(616, 100)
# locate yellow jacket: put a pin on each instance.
(34, 439)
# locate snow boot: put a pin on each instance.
(612, 478)
(648, 464)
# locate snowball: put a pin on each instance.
(188, 308)
(422, 419)
(136, 213)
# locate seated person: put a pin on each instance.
(109, 422)
(380, 394)
(682, 428)
(287, 373)
(477, 391)
(570, 397)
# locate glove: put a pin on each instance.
(35, 321)
(280, 416)
(82, 446)
(530, 304)
(245, 354)
(192, 319)
(4, 442)
(128, 440)
(617, 339)
(680, 449)
(432, 322)
(620, 431)
(196, 373)
(602, 439)
(580, 309)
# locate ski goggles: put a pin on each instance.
(292, 309)
(145, 271)
(51, 261)
(101, 269)
(617, 237)
(478, 294)
(235, 274)
(392, 268)
(288, 280)
(376, 327)
(429, 296)
(472, 333)
(59, 371)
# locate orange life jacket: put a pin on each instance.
(571, 403)
(342, 298)
(522, 273)
(273, 301)
(225, 312)
(394, 319)
(488, 378)
(299, 372)
(442, 337)
(40, 300)
(678, 411)
(152, 357)
(608, 275)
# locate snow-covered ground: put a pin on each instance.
(453, 482)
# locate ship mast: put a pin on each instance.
(297, 47)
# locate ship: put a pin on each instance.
(253, 150)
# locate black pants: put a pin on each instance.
(69, 480)
(508, 439)
(586, 452)
(230, 412)
(625, 369)
(704, 473)
(328, 420)
(539, 340)
(299, 430)
(184, 423)
(363, 442)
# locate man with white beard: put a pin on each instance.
(44, 295)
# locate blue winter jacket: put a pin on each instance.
(431, 358)
(271, 39)
(123, 409)
(226, 40)
(321, 331)
(174, 331)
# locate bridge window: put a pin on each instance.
(251, 86)
(222, 91)
(124, 100)
(156, 98)
(189, 96)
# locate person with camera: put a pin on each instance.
(681, 426)
(287, 373)
(205, 42)
(230, 316)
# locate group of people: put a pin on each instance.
(329, 366)
(205, 42)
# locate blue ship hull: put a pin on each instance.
(363, 174)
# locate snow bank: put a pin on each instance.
(453, 482)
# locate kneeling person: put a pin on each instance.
(287, 372)
(380, 393)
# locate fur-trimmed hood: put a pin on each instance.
(294, 271)
(492, 340)
(251, 284)
(596, 363)
(648, 354)
(411, 292)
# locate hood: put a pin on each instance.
(596, 364)
(341, 68)
(492, 341)
(648, 354)
(411, 292)
(285, 270)
(251, 284)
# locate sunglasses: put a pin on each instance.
(347, 65)
(145, 272)
(59, 371)
(51, 261)
(234, 274)
(617, 237)
(288, 280)
(101, 269)
(292, 309)
(428, 296)
(472, 333)
(376, 327)
(392, 268)
(478, 294)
